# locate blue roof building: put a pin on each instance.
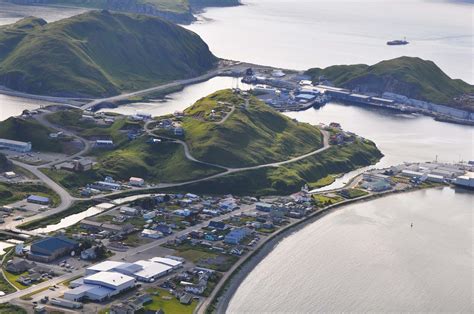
(49, 249)
(38, 199)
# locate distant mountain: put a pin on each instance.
(413, 77)
(98, 53)
(178, 11)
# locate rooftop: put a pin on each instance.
(109, 278)
(105, 266)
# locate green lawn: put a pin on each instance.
(7, 308)
(327, 180)
(10, 193)
(168, 303)
(195, 255)
(12, 278)
(323, 200)
(353, 193)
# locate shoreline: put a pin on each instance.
(219, 300)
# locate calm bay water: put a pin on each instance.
(366, 258)
(300, 34)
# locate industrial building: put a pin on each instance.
(466, 180)
(147, 271)
(21, 147)
(48, 249)
(36, 199)
(100, 286)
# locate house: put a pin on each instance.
(237, 235)
(134, 181)
(219, 225)
(35, 199)
(195, 289)
(129, 211)
(89, 254)
(104, 143)
(166, 230)
(49, 249)
(186, 299)
(149, 215)
(18, 266)
(152, 234)
(178, 131)
(238, 250)
(10, 175)
(83, 165)
(264, 207)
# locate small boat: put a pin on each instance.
(398, 42)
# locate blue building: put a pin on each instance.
(237, 235)
(38, 200)
(49, 249)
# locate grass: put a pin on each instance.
(5, 286)
(412, 77)
(76, 208)
(327, 180)
(99, 53)
(254, 135)
(29, 130)
(13, 277)
(7, 308)
(290, 178)
(195, 256)
(165, 301)
(10, 193)
(353, 193)
(325, 200)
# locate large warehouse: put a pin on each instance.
(100, 286)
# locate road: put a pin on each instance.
(159, 88)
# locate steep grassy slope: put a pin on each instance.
(28, 130)
(252, 135)
(412, 77)
(291, 177)
(179, 11)
(98, 54)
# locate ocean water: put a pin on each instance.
(300, 34)
(366, 258)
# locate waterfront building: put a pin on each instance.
(17, 146)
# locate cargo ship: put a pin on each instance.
(397, 42)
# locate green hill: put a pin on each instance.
(98, 54)
(29, 130)
(412, 77)
(178, 11)
(252, 135)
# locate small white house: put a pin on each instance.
(134, 181)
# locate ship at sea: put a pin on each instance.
(397, 42)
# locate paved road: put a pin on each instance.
(159, 88)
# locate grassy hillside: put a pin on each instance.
(412, 77)
(291, 177)
(29, 130)
(252, 135)
(98, 54)
(10, 193)
(178, 11)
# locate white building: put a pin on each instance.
(100, 286)
(168, 261)
(104, 266)
(22, 147)
(151, 271)
(134, 181)
(129, 211)
(152, 234)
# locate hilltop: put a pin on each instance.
(98, 53)
(178, 11)
(413, 77)
(252, 134)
